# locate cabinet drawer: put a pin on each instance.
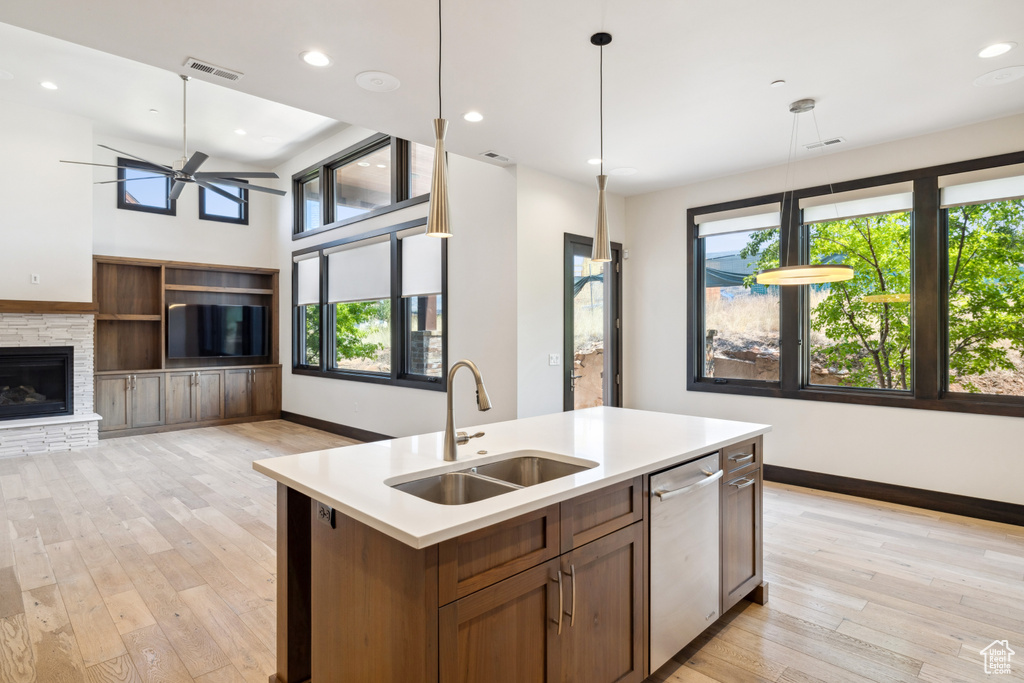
(741, 455)
(593, 515)
(481, 558)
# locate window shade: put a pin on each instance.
(869, 201)
(421, 265)
(360, 271)
(307, 292)
(760, 217)
(981, 191)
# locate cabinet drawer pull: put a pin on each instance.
(742, 484)
(741, 457)
(560, 607)
(665, 495)
(572, 575)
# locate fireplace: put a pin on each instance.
(36, 381)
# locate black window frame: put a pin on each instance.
(324, 169)
(244, 206)
(929, 280)
(399, 375)
(122, 188)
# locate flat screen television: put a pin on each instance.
(205, 330)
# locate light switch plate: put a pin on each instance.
(554, 359)
(35, 279)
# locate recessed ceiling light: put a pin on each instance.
(593, 162)
(154, 111)
(1000, 76)
(777, 84)
(625, 170)
(239, 131)
(996, 50)
(272, 139)
(48, 85)
(377, 81)
(473, 116)
(6, 75)
(315, 58)
(382, 165)
(364, 164)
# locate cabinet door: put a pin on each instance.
(210, 395)
(507, 633)
(603, 598)
(265, 391)
(147, 400)
(181, 404)
(112, 402)
(237, 401)
(741, 537)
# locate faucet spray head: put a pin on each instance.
(483, 401)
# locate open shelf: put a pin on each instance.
(220, 290)
(129, 316)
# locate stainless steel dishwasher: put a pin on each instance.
(685, 582)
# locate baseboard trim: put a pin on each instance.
(355, 433)
(979, 508)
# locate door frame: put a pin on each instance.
(615, 311)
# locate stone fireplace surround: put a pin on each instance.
(62, 433)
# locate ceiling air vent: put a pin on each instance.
(494, 156)
(825, 143)
(220, 72)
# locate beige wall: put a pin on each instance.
(974, 455)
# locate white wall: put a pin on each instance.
(45, 206)
(974, 455)
(182, 237)
(480, 310)
(548, 207)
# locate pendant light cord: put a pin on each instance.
(184, 117)
(601, 115)
(439, 39)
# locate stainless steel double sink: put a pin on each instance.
(480, 482)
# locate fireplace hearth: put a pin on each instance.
(36, 381)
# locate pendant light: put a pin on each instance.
(804, 274)
(602, 251)
(437, 216)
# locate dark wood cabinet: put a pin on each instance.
(209, 395)
(130, 401)
(741, 541)
(265, 391)
(237, 392)
(507, 633)
(195, 396)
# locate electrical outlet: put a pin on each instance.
(554, 359)
(35, 279)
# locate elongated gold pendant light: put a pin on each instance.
(602, 251)
(437, 216)
(803, 274)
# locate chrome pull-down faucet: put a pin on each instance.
(483, 402)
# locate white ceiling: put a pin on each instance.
(117, 95)
(686, 82)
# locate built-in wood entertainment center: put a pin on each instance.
(138, 388)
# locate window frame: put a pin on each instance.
(929, 281)
(399, 375)
(242, 220)
(324, 169)
(122, 188)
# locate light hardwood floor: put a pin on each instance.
(151, 558)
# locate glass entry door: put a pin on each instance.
(593, 329)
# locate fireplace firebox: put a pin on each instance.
(36, 381)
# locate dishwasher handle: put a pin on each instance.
(665, 495)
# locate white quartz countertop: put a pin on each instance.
(356, 480)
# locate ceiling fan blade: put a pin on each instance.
(176, 189)
(247, 186)
(89, 163)
(222, 193)
(125, 180)
(216, 175)
(145, 161)
(194, 162)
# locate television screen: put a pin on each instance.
(203, 330)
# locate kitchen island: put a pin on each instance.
(377, 584)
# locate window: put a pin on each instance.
(381, 323)
(376, 176)
(931, 319)
(142, 189)
(216, 207)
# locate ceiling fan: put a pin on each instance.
(186, 169)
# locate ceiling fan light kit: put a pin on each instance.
(186, 169)
(438, 224)
(602, 251)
